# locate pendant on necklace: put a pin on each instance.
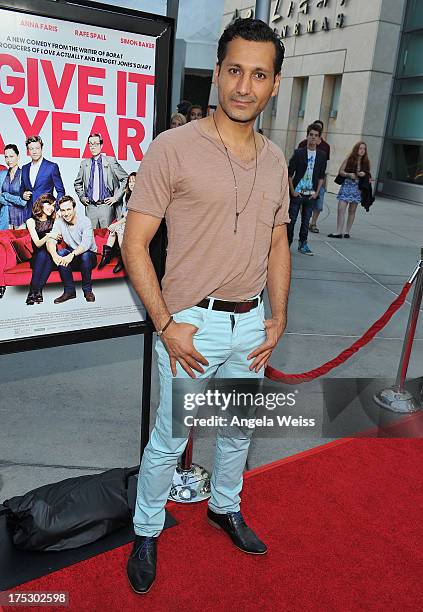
(236, 222)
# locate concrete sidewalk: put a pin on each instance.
(75, 410)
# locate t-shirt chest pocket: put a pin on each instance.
(268, 208)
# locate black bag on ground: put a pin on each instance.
(70, 513)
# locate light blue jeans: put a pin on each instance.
(225, 340)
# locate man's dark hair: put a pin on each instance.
(320, 122)
(316, 127)
(66, 198)
(255, 30)
(33, 139)
(95, 135)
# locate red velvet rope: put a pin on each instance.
(291, 379)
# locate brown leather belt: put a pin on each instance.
(235, 307)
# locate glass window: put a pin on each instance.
(410, 61)
(404, 162)
(303, 100)
(408, 117)
(414, 14)
(336, 92)
(409, 86)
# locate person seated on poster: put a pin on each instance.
(39, 176)
(117, 229)
(40, 227)
(80, 253)
(100, 184)
(13, 207)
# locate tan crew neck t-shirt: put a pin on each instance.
(186, 177)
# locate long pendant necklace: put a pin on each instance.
(238, 212)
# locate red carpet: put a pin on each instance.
(343, 523)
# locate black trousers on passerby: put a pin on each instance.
(306, 204)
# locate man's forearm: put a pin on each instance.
(82, 248)
(143, 277)
(279, 278)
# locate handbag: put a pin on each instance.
(339, 179)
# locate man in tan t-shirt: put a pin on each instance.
(227, 240)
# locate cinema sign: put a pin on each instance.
(287, 9)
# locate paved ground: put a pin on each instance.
(74, 410)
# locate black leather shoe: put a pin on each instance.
(64, 298)
(30, 298)
(241, 535)
(141, 566)
(2, 291)
(119, 266)
(106, 257)
(38, 296)
(89, 296)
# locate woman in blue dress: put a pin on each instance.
(4, 208)
(354, 167)
(10, 189)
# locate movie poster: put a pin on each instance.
(63, 81)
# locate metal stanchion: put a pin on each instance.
(396, 398)
(191, 482)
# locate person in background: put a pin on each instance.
(184, 107)
(177, 119)
(355, 167)
(322, 145)
(12, 205)
(117, 229)
(306, 171)
(40, 227)
(39, 176)
(196, 112)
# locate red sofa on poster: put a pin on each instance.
(13, 272)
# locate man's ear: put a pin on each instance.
(276, 85)
(216, 73)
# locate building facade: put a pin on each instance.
(357, 66)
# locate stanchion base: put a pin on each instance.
(189, 486)
(396, 400)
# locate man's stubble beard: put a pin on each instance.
(236, 119)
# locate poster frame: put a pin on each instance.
(124, 19)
